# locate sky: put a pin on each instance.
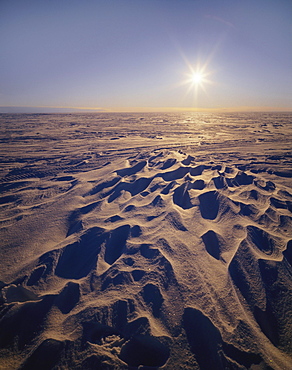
(139, 55)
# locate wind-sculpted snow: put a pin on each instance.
(158, 259)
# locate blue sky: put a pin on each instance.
(139, 54)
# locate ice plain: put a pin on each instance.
(150, 240)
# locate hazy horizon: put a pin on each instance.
(72, 110)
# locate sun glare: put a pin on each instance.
(197, 77)
(196, 80)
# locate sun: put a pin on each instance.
(197, 78)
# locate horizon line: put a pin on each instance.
(58, 109)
